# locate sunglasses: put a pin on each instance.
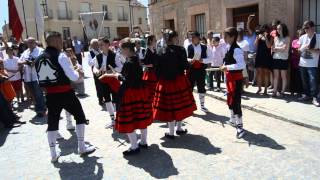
(306, 27)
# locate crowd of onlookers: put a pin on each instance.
(276, 64)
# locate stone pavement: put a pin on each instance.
(272, 149)
(287, 109)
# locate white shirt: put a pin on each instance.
(30, 73)
(244, 45)
(239, 57)
(140, 54)
(308, 58)
(197, 54)
(186, 44)
(280, 43)
(119, 60)
(218, 54)
(103, 64)
(67, 67)
(90, 59)
(12, 65)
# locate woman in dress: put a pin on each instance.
(134, 109)
(173, 101)
(263, 63)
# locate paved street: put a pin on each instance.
(272, 149)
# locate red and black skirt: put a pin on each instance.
(173, 100)
(150, 80)
(112, 82)
(134, 110)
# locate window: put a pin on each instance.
(62, 10)
(122, 15)
(107, 31)
(310, 10)
(85, 7)
(200, 24)
(140, 20)
(107, 15)
(66, 33)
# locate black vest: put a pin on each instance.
(203, 51)
(49, 71)
(110, 60)
(229, 59)
(92, 54)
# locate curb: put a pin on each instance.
(269, 114)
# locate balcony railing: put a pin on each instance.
(48, 14)
(107, 16)
(123, 17)
(64, 15)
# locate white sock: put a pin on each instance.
(52, 138)
(171, 127)
(133, 140)
(179, 126)
(68, 116)
(110, 109)
(239, 123)
(144, 133)
(80, 136)
(201, 98)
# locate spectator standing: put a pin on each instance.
(280, 51)
(78, 49)
(218, 52)
(309, 59)
(13, 69)
(295, 78)
(263, 62)
(27, 59)
(244, 45)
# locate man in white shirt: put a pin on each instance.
(102, 62)
(188, 41)
(140, 51)
(199, 56)
(55, 72)
(30, 78)
(309, 59)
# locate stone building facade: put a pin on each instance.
(215, 15)
(63, 16)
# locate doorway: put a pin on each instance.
(240, 16)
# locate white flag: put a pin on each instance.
(39, 20)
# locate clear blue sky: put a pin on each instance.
(4, 11)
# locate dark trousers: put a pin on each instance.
(6, 113)
(198, 77)
(295, 81)
(79, 58)
(309, 77)
(104, 92)
(236, 102)
(217, 76)
(69, 102)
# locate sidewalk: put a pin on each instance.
(286, 109)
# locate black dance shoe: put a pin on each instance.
(167, 135)
(131, 152)
(143, 146)
(182, 132)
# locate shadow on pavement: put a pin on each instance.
(154, 161)
(119, 137)
(3, 135)
(90, 168)
(262, 141)
(69, 146)
(192, 142)
(213, 118)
